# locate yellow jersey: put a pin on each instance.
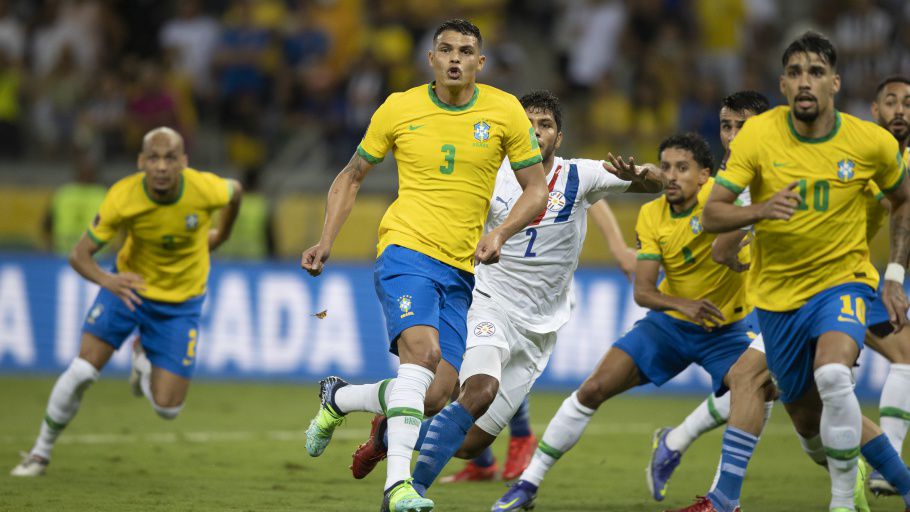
(679, 243)
(824, 244)
(166, 243)
(447, 160)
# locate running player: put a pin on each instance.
(449, 138)
(807, 165)
(891, 109)
(157, 286)
(689, 322)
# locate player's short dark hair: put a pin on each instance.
(812, 42)
(742, 101)
(545, 101)
(462, 27)
(893, 79)
(694, 143)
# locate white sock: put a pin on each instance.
(562, 433)
(710, 414)
(145, 382)
(768, 407)
(814, 449)
(63, 404)
(405, 412)
(841, 426)
(364, 397)
(894, 406)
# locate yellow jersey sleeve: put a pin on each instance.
(646, 236)
(891, 167)
(521, 144)
(107, 222)
(217, 190)
(379, 138)
(740, 168)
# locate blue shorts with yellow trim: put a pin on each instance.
(168, 331)
(415, 289)
(791, 336)
(877, 317)
(663, 346)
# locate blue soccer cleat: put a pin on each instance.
(320, 431)
(663, 462)
(520, 496)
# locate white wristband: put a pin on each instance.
(895, 272)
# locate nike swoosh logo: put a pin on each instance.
(503, 506)
(846, 319)
(414, 127)
(780, 164)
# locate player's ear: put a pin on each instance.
(480, 61)
(703, 174)
(836, 83)
(430, 57)
(558, 141)
(875, 109)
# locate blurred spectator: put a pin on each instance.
(720, 23)
(10, 112)
(699, 113)
(592, 29)
(193, 37)
(252, 236)
(58, 96)
(862, 35)
(12, 35)
(151, 104)
(66, 26)
(73, 207)
(102, 122)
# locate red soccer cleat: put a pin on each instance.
(702, 504)
(521, 449)
(367, 455)
(471, 473)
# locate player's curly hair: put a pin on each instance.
(742, 101)
(893, 79)
(462, 27)
(692, 142)
(545, 101)
(812, 42)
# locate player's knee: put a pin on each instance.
(479, 392)
(434, 401)
(592, 393)
(833, 380)
(167, 412)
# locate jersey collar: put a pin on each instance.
(819, 140)
(452, 108)
(152, 199)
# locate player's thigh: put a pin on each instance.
(95, 351)
(108, 323)
(419, 345)
(169, 333)
(835, 347)
(526, 363)
(894, 347)
(168, 388)
(750, 370)
(838, 321)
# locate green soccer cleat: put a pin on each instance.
(859, 491)
(320, 431)
(403, 498)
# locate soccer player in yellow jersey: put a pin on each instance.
(157, 286)
(811, 280)
(448, 138)
(698, 312)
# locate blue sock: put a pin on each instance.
(520, 424)
(424, 426)
(485, 459)
(735, 454)
(882, 456)
(444, 437)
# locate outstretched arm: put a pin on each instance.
(340, 201)
(606, 222)
(532, 200)
(646, 178)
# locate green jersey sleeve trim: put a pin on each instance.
(647, 256)
(892, 188)
(98, 241)
(368, 157)
(517, 166)
(879, 196)
(733, 187)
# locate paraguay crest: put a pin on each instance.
(845, 169)
(192, 222)
(484, 329)
(404, 304)
(481, 131)
(695, 224)
(556, 201)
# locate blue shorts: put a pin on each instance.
(791, 336)
(168, 331)
(877, 316)
(662, 347)
(415, 289)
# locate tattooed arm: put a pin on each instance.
(341, 199)
(893, 295)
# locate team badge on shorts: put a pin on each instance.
(556, 201)
(481, 131)
(95, 313)
(845, 169)
(484, 329)
(404, 304)
(695, 224)
(192, 222)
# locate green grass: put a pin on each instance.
(239, 447)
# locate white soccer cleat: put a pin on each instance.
(140, 365)
(31, 465)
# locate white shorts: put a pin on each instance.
(523, 357)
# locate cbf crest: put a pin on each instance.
(192, 222)
(845, 169)
(481, 131)
(404, 304)
(695, 224)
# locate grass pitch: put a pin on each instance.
(239, 447)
